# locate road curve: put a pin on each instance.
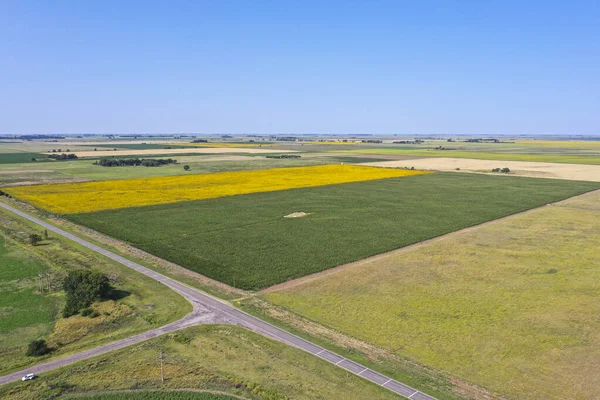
(202, 301)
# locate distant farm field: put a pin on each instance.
(576, 156)
(580, 172)
(247, 242)
(106, 195)
(512, 306)
(13, 158)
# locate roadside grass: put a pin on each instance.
(141, 304)
(154, 395)
(213, 357)
(246, 242)
(511, 306)
(576, 158)
(25, 314)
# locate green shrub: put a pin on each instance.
(38, 348)
(86, 311)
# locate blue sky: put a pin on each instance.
(402, 67)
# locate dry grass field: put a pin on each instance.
(581, 172)
(511, 305)
(109, 195)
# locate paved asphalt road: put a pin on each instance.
(206, 309)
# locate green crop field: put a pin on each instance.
(206, 357)
(26, 314)
(511, 306)
(245, 240)
(14, 158)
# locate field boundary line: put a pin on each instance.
(340, 268)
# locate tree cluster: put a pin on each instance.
(82, 289)
(504, 170)
(127, 162)
(63, 156)
(34, 239)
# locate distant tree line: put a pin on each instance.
(284, 156)
(63, 156)
(127, 162)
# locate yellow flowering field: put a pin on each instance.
(72, 198)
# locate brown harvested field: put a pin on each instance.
(511, 305)
(151, 152)
(581, 172)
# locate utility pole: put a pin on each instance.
(162, 368)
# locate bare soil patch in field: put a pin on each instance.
(149, 152)
(580, 172)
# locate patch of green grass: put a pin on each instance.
(214, 357)
(14, 158)
(25, 315)
(511, 306)
(245, 241)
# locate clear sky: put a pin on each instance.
(405, 67)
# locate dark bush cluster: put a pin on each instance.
(82, 289)
(38, 348)
(284, 156)
(127, 162)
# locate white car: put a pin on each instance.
(28, 377)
